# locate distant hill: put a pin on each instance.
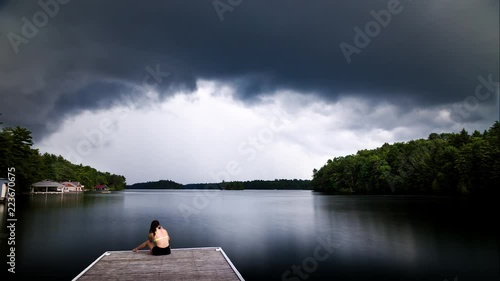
(202, 186)
(281, 184)
(161, 184)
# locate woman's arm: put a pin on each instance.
(148, 243)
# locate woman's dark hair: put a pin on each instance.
(154, 225)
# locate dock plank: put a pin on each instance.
(182, 264)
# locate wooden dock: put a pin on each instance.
(209, 263)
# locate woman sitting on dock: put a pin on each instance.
(159, 236)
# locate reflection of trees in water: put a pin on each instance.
(55, 200)
(367, 227)
(3, 225)
(72, 200)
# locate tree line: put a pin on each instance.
(280, 184)
(161, 184)
(31, 166)
(446, 163)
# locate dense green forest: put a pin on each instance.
(161, 184)
(294, 184)
(232, 185)
(30, 166)
(202, 186)
(446, 163)
(282, 184)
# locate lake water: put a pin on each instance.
(268, 235)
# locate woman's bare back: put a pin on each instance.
(161, 238)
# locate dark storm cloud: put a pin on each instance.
(92, 53)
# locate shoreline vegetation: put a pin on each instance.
(32, 166)
(446, 163)
(278, 184)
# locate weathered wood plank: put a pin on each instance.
(182, 264)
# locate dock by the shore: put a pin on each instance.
(209, 263)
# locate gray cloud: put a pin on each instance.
(92, 54)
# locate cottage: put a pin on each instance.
(47, 186)
(101, 187)
(69, 186)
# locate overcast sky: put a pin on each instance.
(200, 91)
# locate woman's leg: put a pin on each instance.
(147, 243)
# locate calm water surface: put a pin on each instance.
(269, 235)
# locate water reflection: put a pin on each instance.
(265, 233)
(3, 223)
(366, 233)
(413, 237)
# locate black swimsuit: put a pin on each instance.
(157, 251)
